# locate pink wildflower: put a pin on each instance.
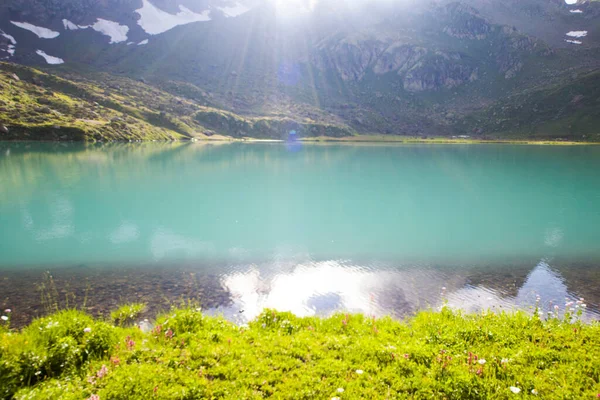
(102, 372)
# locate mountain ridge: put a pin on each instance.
(421, 69)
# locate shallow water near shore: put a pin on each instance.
(310, 228)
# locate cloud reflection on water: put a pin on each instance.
(321, 288)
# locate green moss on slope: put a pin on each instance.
(38, 106)
(35, 105)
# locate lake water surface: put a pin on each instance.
(308, 228)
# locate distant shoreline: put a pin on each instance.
(416, 140)
(364, 139)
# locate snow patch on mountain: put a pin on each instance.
(116, 32)
(50, 59)
(11, 48)
(143, 42)
(154, 20)
(577, 11)
(69, 26)
(41, 32)
(577, 34)
(9, 37)
(237, 9)
(573, 41)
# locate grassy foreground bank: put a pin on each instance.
(188, 355)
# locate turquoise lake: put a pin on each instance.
(312, 228)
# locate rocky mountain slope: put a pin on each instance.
(417, 68)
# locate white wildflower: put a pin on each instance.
(359, 371)
(340, 390)
(87, 330)
(515, 389)
(481, 361)
(534, 392)
(4, 318)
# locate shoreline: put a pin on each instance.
(359, 139)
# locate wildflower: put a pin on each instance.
(407, 356)
(130, 343)
(556, 307)
(504, 361)
(169, 334)
(87, 330)
(335, 398)
(359, 371)
(115, 360)
(482, 361)
(515, 390)
(4, 318)
(534, 392)
(102, 372)
(340, 390)
(8, 311)
(94, 397)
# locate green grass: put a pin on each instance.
(188, 355)
(127, 314)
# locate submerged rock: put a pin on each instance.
(3, 129)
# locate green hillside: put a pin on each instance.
(35, 105)
(568, 110)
